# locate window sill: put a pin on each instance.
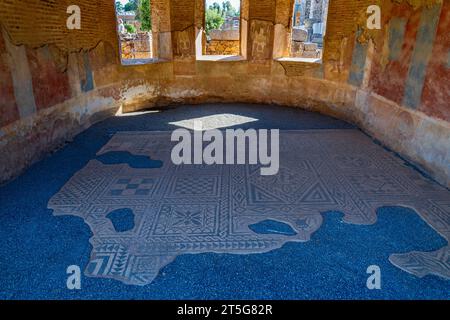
(220, 58)
(300, 60)
(139, 62)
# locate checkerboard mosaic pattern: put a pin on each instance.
(133, 187)
(199, 208)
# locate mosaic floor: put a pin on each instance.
(196, 209)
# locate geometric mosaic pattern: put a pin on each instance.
(200, 208)
(424, 263)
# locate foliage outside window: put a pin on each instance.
(134, 28)
(216, 15)
(130, 28)
(141, 9)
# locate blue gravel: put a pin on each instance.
(122, 219)
(272, 227)
(37, 247)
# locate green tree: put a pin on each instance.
(145, 15)
(132, 5)
(226, 10)
(119, 6)
(214, 19)
(130, 28)
(226, 6)
(229, 10)
(216, 7)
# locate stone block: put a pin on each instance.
(299, 34)
(309, 46)
(227, 35)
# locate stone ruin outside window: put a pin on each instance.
(222, 26)
(136, 45)
(308, 29)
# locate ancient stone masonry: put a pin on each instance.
(308, 28)
(37, 23)
(137, 46)
(393, 82)
(223, 42)
(225, 47)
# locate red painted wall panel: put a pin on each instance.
(50, 85)
(8, 107)
(390, 80)
(436, 91)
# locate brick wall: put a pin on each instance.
(222, 47)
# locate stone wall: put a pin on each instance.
(224, 35)
(393, 83)
(137, 46)
(305, 50)
(226, 47)
(223, 42)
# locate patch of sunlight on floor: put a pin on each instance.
(214, 121)
(119, 113)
